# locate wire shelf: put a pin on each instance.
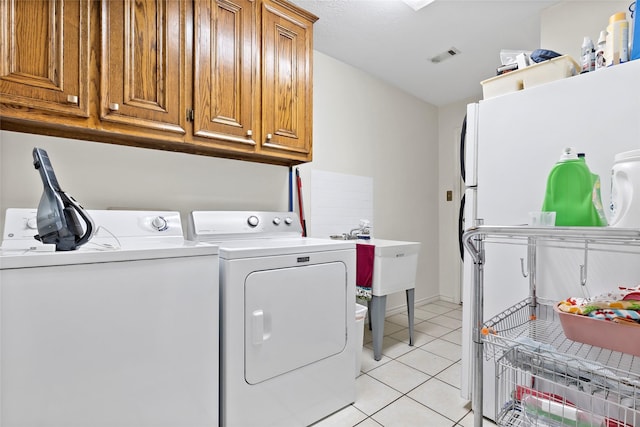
(546, 392)
(608, 239)
(581, 384)
(590, 386)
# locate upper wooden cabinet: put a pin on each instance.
(287, 43)
(225, 64)
(142, 72)
(227, 78)
(44, 57)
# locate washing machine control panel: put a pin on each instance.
(271, 221)
(120, 228)
(229, 225)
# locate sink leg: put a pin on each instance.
(377, 310)
(410, 305)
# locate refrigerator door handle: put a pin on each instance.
(463, 138)
(469, 153)
(461, 225)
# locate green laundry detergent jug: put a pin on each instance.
(573, 193)
(596, 195)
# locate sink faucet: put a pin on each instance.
(353, 232)
(363, 229)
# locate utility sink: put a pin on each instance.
(394, 265)
(394, 270)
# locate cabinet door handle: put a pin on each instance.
(269, 136)
(72, 99)
(114, 106)
(249, 132)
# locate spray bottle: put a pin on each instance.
(588, 56)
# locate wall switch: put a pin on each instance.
(449, 195)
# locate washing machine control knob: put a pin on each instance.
(32, 224)
(253, 221)
(288, 220)
(276, 221)
(159, 223)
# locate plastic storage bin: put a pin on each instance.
(601, 333)
(361, 314)
(533, 75)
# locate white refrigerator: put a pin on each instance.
(512, 142)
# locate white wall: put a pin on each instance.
(361, 127)
(367, 128)
(104, 176)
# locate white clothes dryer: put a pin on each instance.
(121, 332)
(287, 318)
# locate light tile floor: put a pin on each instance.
(411, 386)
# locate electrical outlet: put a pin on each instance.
(449, 195)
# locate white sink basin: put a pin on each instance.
(394, 265)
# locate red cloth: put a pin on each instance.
(364, 264)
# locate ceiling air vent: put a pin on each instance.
(445, 55)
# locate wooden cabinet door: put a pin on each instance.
(287, 46)
(142, 72)
(224, 70)
(44, 55)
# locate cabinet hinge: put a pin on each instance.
(190, 115)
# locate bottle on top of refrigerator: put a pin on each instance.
(569, 192)
(635, 47)
(617, 39)
(601, 47)
(588, 56)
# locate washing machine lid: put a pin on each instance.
(120, 236)
(31, 258)
(239, 249)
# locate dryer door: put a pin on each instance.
(293, 317)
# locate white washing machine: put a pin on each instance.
(287, 318)
(122, 332)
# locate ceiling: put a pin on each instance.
(389, 40)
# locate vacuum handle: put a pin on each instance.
(71, 203)
(42, 163)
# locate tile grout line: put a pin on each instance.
(430, 376)
(406, 394)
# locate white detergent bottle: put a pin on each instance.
(617, 39)
(625, 190)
